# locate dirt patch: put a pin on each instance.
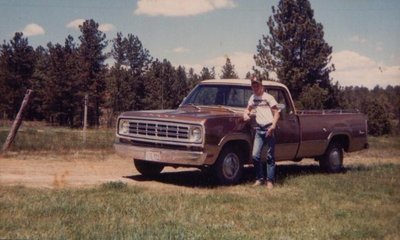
(87, 169)
(71, 170)
(46, 171)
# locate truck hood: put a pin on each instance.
(186, 113)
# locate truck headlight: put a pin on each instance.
(123, 127)
(195, 134)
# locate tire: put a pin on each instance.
(228, 169)
(332, 160)
(148, 168)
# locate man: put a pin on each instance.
(264, 107)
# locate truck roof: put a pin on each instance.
(241, 81)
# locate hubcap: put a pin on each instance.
(231, 165)
(334, 158)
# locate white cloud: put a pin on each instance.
(33, 29)
(75, 23)
(358, 39)
(379, 47)
(180, 50)
(174, 8)
(242, 61)
(106, 27)
(353, 69)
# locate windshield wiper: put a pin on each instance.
(193, 105)
(225, 108)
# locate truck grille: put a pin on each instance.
(158, 130)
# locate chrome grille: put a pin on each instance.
(158, 130)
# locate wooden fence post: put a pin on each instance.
(85, 113)
(17, 122)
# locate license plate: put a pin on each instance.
(153, 156)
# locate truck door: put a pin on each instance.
(288, 128)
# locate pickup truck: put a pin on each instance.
(207, 131)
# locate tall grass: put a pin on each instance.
(38, 137)
(361, 204)
(59, 139)
(385, 142)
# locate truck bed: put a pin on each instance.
(319, 127)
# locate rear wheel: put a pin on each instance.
(148, 168)
(229, 166)
(332, 160)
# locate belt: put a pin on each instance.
(263, 127)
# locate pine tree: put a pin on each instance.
(311, 96)
(154, 86)
(207, 73)
(180, 86)
(138, 59)
(378, 116)
(36, 110)
(118, 97)
(125, 84)
(193, 78)
(61, 99)
(92, 68)
(168, 79)
(295, 49)
(17, 64)
(161, 83)
(248, 75)
(228, 70)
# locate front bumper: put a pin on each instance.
(166, 156)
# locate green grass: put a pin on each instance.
(385, 142)
(363, 203)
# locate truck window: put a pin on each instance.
(234, 96)
(238, 96)
(280, 97)
(204, 96)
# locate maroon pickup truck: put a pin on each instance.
(207, 131)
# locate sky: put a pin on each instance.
(364, 34)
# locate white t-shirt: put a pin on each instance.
(261, 107)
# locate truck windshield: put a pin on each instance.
(219, 95)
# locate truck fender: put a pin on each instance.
(342, 137)
(240, 140)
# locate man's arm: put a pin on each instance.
(246, 114)
(276, 113)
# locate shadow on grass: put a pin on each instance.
(204, 179)
(188, 178)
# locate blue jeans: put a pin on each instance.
(264, 169)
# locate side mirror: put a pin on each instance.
(282, 108)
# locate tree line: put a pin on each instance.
(61, 75)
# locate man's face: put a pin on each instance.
(257, 88)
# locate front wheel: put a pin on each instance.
(148, 168)
(332, 160)
(229, 166)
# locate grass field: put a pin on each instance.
(361, 203)
(39, 137)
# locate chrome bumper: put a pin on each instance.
(167, 156)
